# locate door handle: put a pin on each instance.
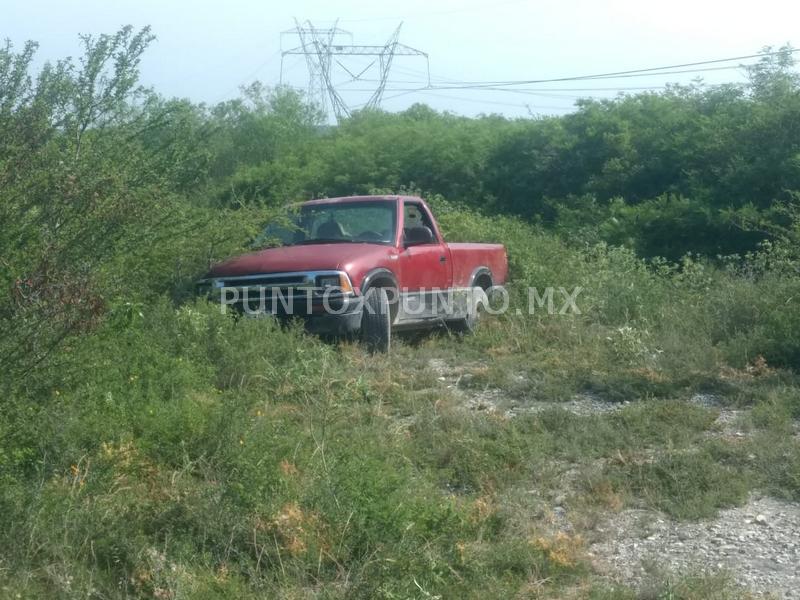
(443, 258)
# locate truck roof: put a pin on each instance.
(358, 199)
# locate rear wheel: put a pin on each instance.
(477, 302)
(376, 325)
(469, 323)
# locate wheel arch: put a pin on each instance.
(380, 277)
(383, 278)
(481, 277)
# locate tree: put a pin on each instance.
(78, 187)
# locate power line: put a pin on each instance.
(423, 90)
(512, 90)
(626, 76)
(542, 92)
(665, 70)
(254, 72)
(508, 86)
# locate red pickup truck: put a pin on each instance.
(369, 264)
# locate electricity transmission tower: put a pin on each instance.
(324, 52)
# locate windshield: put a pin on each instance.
(365, 222)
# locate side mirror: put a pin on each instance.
(415, 236)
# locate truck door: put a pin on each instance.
(425, 266)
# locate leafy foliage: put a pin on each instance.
(151, 446)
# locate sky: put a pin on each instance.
(206, 49)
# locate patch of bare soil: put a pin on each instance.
(758, 544)
(728, 424)
(495, 400)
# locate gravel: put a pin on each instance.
(581, 405)
(758, 544)
(495, 400)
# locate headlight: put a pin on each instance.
(328, 281)
(338, 281)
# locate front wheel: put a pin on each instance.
(376, 325)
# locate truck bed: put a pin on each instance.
(467, 257)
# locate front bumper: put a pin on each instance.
(287, 296)
(337, 324)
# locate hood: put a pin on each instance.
(311, 257)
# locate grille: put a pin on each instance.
(280, 281)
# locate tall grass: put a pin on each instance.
(177, 452)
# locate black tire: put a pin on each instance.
(376, 322)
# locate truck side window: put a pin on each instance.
(414, 216)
